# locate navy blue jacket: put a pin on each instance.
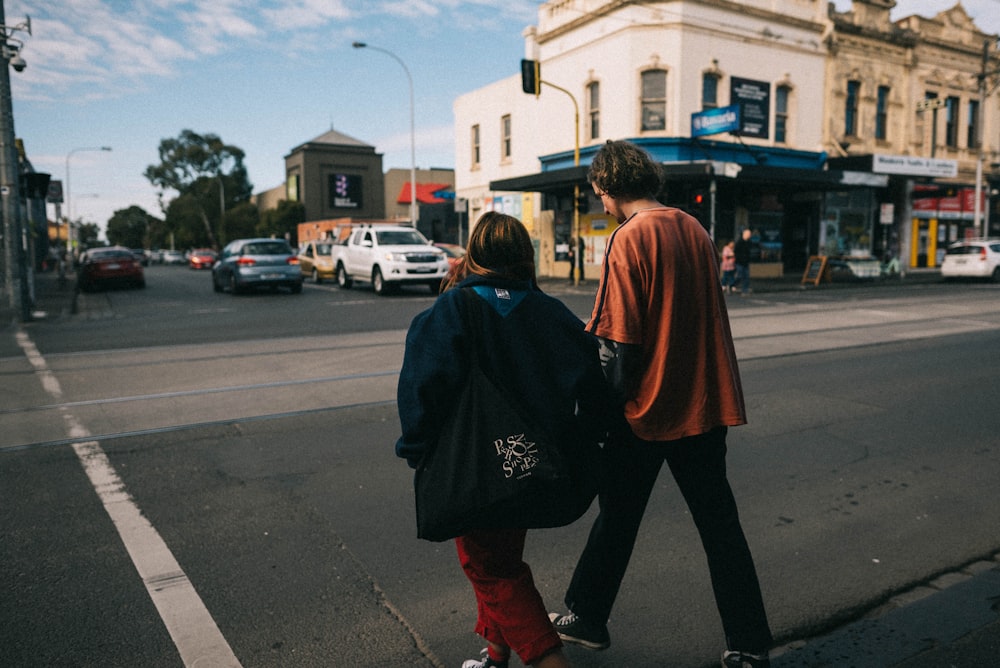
(536, 347)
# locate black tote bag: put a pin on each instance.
(492, 468)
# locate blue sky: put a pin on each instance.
(264, 75)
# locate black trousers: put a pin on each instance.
(698, 465)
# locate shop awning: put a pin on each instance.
(559, 181)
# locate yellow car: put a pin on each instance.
(316, 259)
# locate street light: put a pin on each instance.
(982, 218)
(69, 201)
(413, 139)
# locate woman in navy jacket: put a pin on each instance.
(535, 346)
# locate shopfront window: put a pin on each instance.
(847, 225)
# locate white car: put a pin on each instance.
(973, 258)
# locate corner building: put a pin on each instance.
(735, 98)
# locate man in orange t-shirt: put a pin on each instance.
(667, 350)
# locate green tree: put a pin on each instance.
(129, 227)
(242, 221)
(87, 235)
(207, 172)
(282, 221)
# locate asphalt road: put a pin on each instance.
(186, 476)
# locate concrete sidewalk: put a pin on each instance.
(951, 621)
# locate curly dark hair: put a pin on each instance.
(623, 170)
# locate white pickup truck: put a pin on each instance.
(389, 256)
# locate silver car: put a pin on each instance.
(246, 264)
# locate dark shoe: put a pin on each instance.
(731, 659)
(484, 661)
(575, 630)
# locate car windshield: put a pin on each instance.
(111, 254)
(963, 250)
(267, 248)
(323, 249)
(400, 238)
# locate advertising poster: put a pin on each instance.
(754, 101)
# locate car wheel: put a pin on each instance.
(378, 282)
(343, 279)
(316, 277)
(996, 274)
(435, 287)
(233, 286)
(215, 283)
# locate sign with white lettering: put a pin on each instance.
(911, 165)
(754, 101)
(715, 121)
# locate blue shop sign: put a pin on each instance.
(715, 121)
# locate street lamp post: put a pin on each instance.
(15, 236)
(413, 139)
(981, 218)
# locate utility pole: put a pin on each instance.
(982, 218)
(15, 239)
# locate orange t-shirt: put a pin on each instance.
(660, 290)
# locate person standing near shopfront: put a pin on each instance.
(728, 267)
(742, 251)
(667, 351)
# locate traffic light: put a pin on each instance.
(531, 77)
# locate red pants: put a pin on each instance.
(511, 611)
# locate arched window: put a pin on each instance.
(709, 90)
(654, 100)
(594, 109)
(782, 95)
(851, 108)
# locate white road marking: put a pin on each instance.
(190, 625)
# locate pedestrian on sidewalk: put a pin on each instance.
(541, 351)
(742, 252)
(667, 351)
(728, 266)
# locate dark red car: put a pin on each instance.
(115, 265)
(202, 258)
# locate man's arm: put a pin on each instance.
(620, 362)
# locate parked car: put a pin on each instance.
(104, 267)
(141, 256)
(316, 259)
(173, 257)
(972, 258)
(253, 263)
(202, 258)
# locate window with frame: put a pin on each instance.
(951, 121)
(972, 136)
(709, 90)
(474, 142)
(654, 100)
(781, 96)
(594, 109)
(505, 140)
(851, 108)
(882, 113)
